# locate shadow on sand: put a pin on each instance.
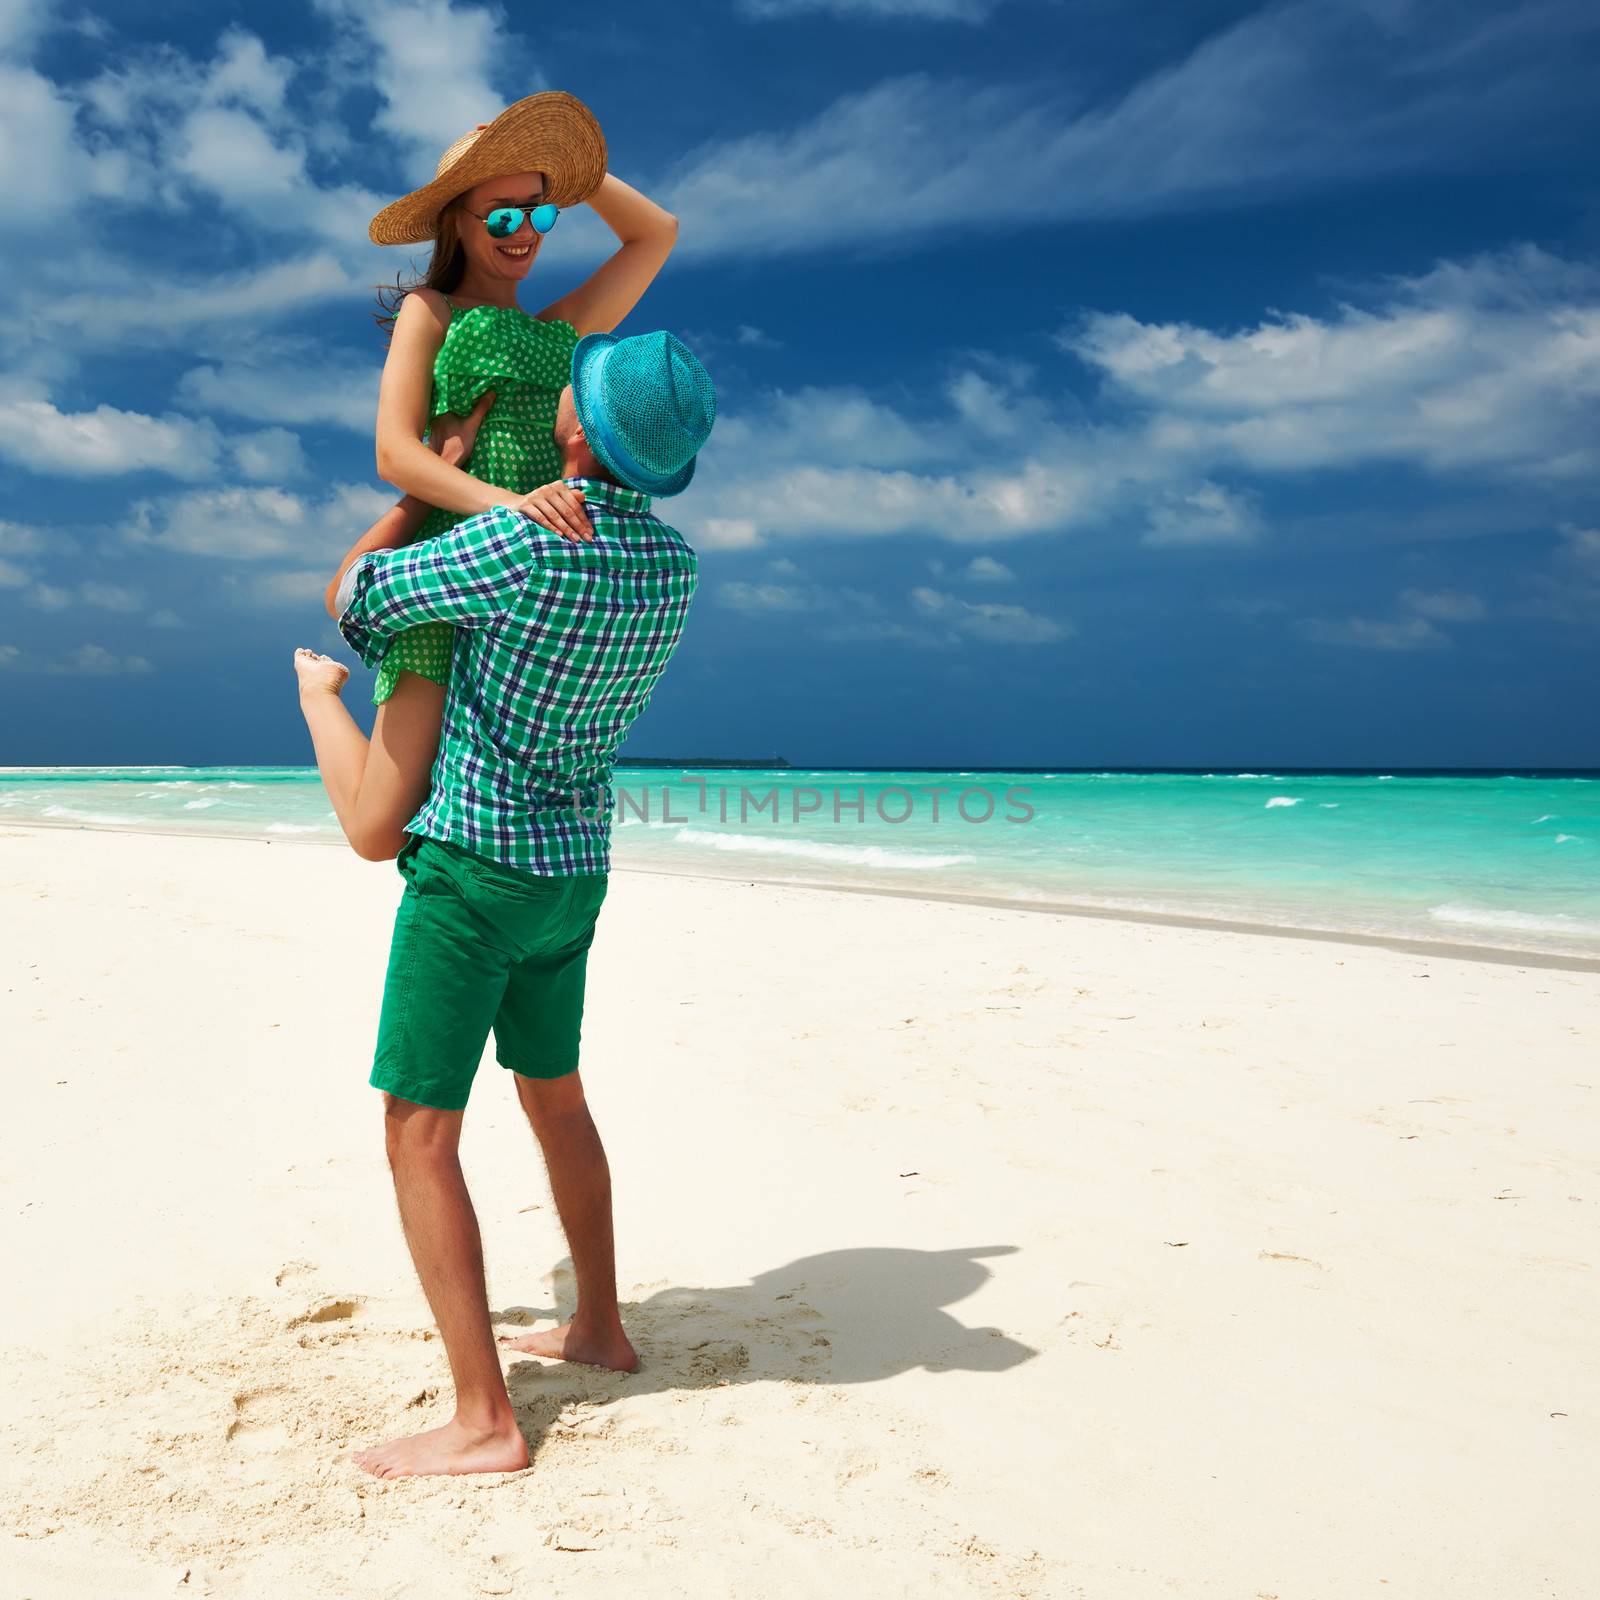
(847, 1316)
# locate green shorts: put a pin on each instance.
(479, 946)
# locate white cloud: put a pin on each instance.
(198, 127)
(21, 22)
(931, 10)
(1582, 546)
(103, 596)
(36, 435)
(95, 661)
(995, 410)
(246, 73)
(726, 533)
(756, 338)
(9, 653)
(258, 523)
(841, 426)
(1205, 514)
(759, 597)
(1291, 98)
(230, 524)
(219, 144)
(433, 63)
(994, 624)
(17, 538)
(1366, 633)
(157, 144)
(985, 569)
(1485, 371)
(122, 309)
(11, 575)
(134, 96)
(1446, 605)
(1493, 363)
(271, 455)
(302, 589)
(110, 596)
(752, 500)
(303, 392)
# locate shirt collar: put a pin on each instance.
(610, 494)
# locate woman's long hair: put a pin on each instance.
(446, 267)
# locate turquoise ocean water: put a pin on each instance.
(1510, 861)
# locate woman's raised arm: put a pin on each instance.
(614, 288)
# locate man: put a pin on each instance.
(559, 646)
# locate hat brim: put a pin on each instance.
(554, 133)
(589, 349)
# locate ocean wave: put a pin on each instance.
(1517, 921)
(199, 805)
(1327, 805)
(1568, 838)
(68, 814)
(1549, 816)
(860, 855)
(1281, 800)
(294, 827)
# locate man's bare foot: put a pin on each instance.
(567, 1343)
(452, 1448)
(319, 674)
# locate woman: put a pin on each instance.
(465, 358)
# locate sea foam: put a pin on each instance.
(860, 855)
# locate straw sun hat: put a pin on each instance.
(554, 133)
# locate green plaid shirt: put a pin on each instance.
(558, 647)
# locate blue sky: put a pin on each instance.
(1100, 383)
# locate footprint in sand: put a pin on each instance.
(257, 1427)
(330, 1308)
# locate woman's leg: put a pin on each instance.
(375, 788)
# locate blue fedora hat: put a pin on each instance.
(646, 405)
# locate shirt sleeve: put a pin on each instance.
(468, 577)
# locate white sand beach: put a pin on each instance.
(968, 1251)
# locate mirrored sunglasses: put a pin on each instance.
(506, 220)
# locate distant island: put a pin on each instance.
(753, 763)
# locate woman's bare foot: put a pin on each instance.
(452, 1448)
(570, 1343)
(319, 674)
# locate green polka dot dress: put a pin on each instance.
(527, 363)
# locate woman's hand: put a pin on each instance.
(451, 438)
(558, 507)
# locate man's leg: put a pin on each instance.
(580, 1179)
(442, 1230)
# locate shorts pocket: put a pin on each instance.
(507, 883)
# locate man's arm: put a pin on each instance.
(468, 577)
(452, 439)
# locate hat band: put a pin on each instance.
(607, 442)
